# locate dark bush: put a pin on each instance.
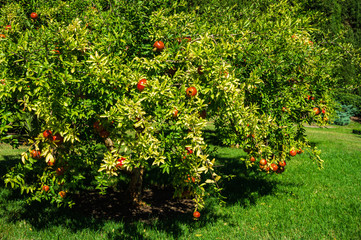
(355, 131)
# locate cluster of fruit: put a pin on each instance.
(7, 27)
(57, 139)
(317, 111)
(267, 166)
(36, 154)
(46, 189)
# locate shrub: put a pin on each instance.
(117, 109)
(344, 115)
(348, 99)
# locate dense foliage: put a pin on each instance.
(107, 91)
(340, 22)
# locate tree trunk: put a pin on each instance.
(109, 144)
(136, 181)
(135, 185)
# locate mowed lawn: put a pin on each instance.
(301, 203)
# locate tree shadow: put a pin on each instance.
(211, 137)
(247, 185)
(93, 211)
(314, 143)
(10, 161)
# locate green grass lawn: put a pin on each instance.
(301, 203)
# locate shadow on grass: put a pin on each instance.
(160, 211)
(315, 143)
(246, 185)
(8, 162)
(94, 212)
(211, 138)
